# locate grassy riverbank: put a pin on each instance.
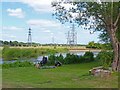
(14, 53)
(1, 52)
(67, 76)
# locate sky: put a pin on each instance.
(18, 16)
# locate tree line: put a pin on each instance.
(16, 43)
(104, 46)
(91, 44)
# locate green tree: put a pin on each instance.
(96, 16)
(91, 44)
(105, 58)
(6, 43)
(15, 43)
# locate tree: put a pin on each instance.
(11, 43)
(91, 44)
(96, 16)
(15, 43)
(6, 43)
(104, 37)
(1, 42)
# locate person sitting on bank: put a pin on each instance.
(44, 61)
(58, 63)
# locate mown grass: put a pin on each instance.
(0, 76)
(67, 76)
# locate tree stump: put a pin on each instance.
(100, 72)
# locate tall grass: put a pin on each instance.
(21, 53)
(0, 52)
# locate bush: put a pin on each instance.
(88, 57)
(51, 59)
(71, 58)
(81, 59)
(75, 59)
(105, 58)
(68, 59)
(60, 58)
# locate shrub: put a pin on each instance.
(60, 58)
(75, 59)
(71, 59)
(81, 59)
(51, 59)
(88, 57)
(68, 58)
(105, 58)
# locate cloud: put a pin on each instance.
(8, 35)
(11, 28)
(68, 5)
(47, 31)
(44, 5)
(39, 5)
(18, 12)
(43, 23)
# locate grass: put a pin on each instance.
(9, 53)
(79, 47)
(1, 52)
(67, 76)
(0, 77)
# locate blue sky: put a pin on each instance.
(17, 17)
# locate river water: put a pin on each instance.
(79, 53)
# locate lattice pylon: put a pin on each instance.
(29, 37)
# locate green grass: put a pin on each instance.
(15, 53)
(67, 76)
(1, 52)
